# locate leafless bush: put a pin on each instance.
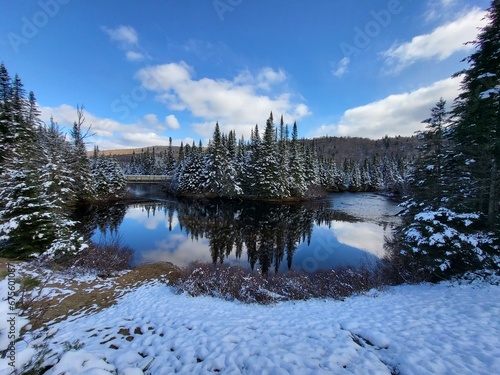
(235, 283)
(225, 282)
(104, 258)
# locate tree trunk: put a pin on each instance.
(493, 199)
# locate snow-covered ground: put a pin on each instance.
(449, 328)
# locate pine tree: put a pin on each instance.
(476, 127)
(32, 219)
(297, 182)
(5, 113)
(57, 154)
(170, 162)
(82, 184)
(283, 162)
(269, 177)
(108, 181)
(437, 238)
(220, 173)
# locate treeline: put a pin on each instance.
(43, 175)
(359, 149)
(273, 165)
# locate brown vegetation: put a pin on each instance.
(235, 283)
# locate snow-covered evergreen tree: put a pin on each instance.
(108, 181)
(437, 238)
(220, 177)
(32, 216)
(297, 183)
(82, 184)
(476, 125)
(268, 176)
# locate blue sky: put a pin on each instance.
(149, 70)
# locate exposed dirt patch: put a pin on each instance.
(71, 297)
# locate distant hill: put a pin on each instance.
(359, 149)
(124, 154)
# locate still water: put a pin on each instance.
(342, 230)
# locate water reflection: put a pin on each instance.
(268, 237)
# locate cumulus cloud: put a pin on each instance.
(438, 45)
(110, 134)
(399, 114)
(172, 122)
(237, 104)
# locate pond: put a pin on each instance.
(345, 229)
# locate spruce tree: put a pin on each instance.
(82, 184)
(438, 238)
(297, 182)
(5, 113)
(476, 127)
(32, 219)
(269, 177)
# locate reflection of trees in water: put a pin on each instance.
(270, 233)
(102, 217)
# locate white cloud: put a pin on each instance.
(440, 9)
(172, 122)
(111, 134)
(438, 45)
(236, 104)
(123, 34)
(341, 68)
(134, 56)
(128, 40)
(399, 114)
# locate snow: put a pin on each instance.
(446, 328)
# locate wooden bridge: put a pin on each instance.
(146, 179)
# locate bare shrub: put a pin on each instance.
(105, 258)
(235, 283)
(225, 282)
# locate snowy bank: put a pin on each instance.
(412, 329)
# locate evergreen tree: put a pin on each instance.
(170, 162)
(376, 174)
(437, 238)
(32, 220)
(5, 114)
(269, 177)
(356, 182)
(476, 127)
(220, 174)
(57, 153)
(82, 184)
(297, 182)
(283, 162)
(108, 181)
